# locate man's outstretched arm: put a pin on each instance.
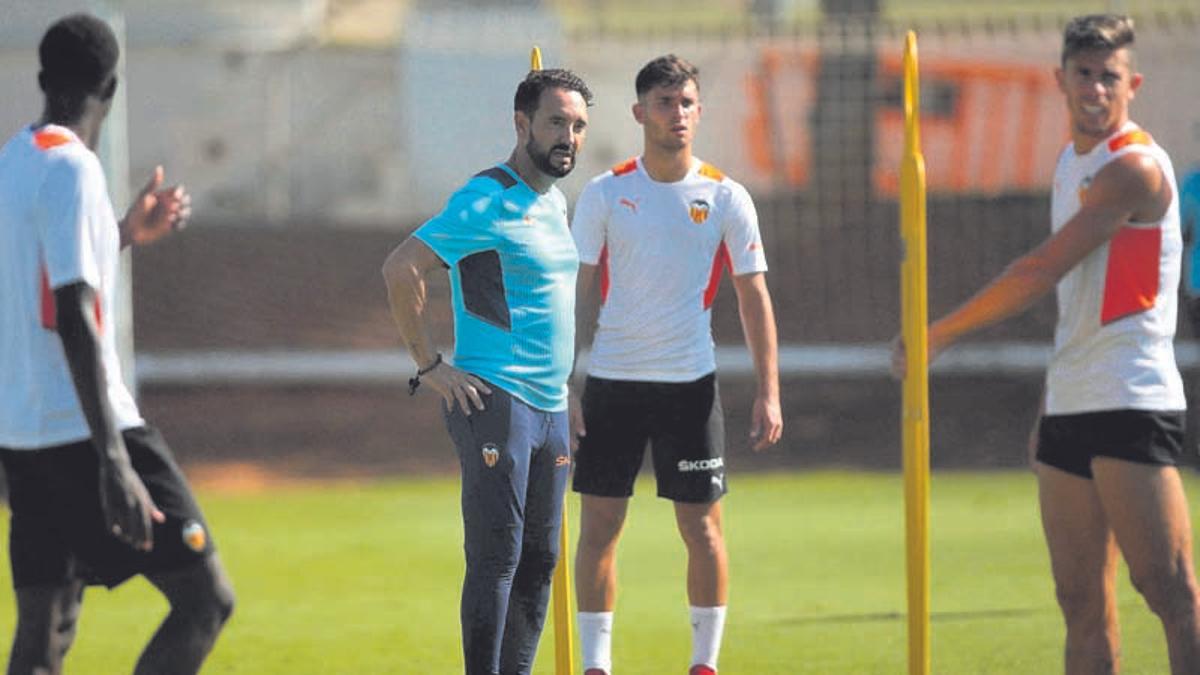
(1131, 188)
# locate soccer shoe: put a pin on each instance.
(699, 669)
(595, 671)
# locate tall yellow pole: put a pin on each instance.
(914, 311)
(564, 648)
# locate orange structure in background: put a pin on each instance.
(986, 125)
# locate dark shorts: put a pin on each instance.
(1193, 314)
(682, 422)
(58, 534)
(1071, 442)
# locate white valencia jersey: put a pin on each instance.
(661, 249)
(1113, 345)
(56, 227)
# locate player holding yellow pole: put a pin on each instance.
(1110, 432)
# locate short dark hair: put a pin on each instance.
(669, 70)
(529, 92)
(1107, 32)
(78, 55)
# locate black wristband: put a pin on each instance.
(415, 380)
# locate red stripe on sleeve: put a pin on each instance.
(49, 320)
(45, 140)
(720, 263)
(625, 167)
(1135, 137)
(711, 171)
(1131, 280)
(49, 307)
(99, 316)
(605, 279)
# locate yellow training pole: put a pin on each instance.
(914, 312)
(564, 648)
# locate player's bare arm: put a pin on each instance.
(127, 507)
(1130, 189)
(587, 308)
(758, 325)
(155, 212)
(404, 272)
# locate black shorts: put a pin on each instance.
(1193, 314)
(58, 533)
(1070, 442)
(683, 423)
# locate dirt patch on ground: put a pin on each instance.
(258, 476)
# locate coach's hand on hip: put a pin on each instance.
(457, 386)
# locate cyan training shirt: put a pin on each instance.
(512, 263)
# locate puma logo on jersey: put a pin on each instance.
(1083, 187)
(628, 203)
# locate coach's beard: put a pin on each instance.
(542, 159)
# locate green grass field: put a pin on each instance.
(365, 579)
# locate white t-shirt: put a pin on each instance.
(56, 227)
(1113, 345)
(661, 248)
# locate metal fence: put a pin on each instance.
(323, 132)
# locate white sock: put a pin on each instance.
(708, 623)
(595, 639)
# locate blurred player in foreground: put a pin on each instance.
(1111, 428)
(512, 262)
(95, 494)
(659, 230)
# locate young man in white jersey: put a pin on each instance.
(658, 230)
(1111, 427)
(95, 494)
